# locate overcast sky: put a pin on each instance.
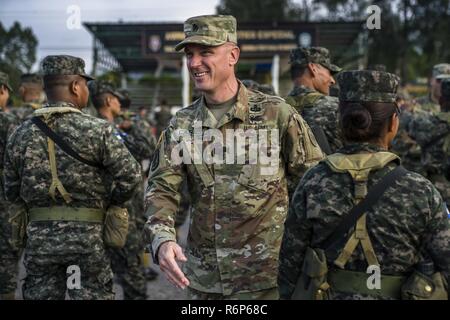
(48, 19)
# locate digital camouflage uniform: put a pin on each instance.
(54, 245)
(432, 132)
(426, 104)
(125, 262)
(8, 255)
(317, 109)
(25, 111)
(237, 210)
(404, 145)
(406, 223)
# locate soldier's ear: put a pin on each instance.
(234, 55)
(74, 87)
(312, 69)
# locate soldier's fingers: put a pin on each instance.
(171, 276)
(176, 272)
(173, 281)
(179, 254)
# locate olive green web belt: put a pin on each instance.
(356, 282)
(66, 214)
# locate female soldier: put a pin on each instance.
(396, 247)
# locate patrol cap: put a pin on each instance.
(445, 88)
(441, 70)
(302, 56)
(64, 65)
(98, 87)
(4, 79)
(125, 101)
(31, 78)
(367, 86)
(209, 30)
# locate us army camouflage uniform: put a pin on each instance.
(8, 255)
(125, 262)
(52, 246)
(409, 216)
(323, 113)
(237, 213)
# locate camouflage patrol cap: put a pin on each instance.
(445, 88)
(302, 56)
(367, 86)
(441, 70)
(4, 79)
(64, 65)
(209, 30)
(31, 78)
(125, 101)
(98, 87)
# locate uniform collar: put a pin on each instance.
(238, 111)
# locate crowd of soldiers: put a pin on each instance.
(70, 170)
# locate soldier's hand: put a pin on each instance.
(168, 253)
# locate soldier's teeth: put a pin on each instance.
(200, 74)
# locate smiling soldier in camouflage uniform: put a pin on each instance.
(8, 255)
(312, 74)
(238, 210)
(399, 233)
(66, 198)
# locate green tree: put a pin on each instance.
(414, 34)
(17, 51)
(265, 10)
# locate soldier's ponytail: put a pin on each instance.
(365, 121)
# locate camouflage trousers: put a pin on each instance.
(47, 276)
(266, 294)
(128, 270)
(9, 258)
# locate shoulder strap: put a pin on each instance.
(321, 139)
(373, 195)
(61, 143)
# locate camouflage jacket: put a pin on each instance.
(25, 111)
(426, 104)
(238, 210)
(323, 113)
(139, 138)
(408, 218)
(7, 124)
(405, 146)
(432, 133)
(27, 177)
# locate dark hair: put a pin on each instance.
(52, 82)
(99, 100)
(298, 71)
(365, 121)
